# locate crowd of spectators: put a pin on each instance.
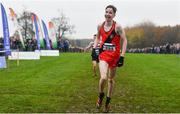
(63, 45)
(163, 49)
(30, 44)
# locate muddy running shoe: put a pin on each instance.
(99, 101)
(107, 108)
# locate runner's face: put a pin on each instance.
(109, 14)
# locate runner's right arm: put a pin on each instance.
(96, 41)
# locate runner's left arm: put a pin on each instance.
(120, 31)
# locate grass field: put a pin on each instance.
(147, 83)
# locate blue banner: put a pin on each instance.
(5, 32)
(46, 35)
(37, 31)
(2, 62)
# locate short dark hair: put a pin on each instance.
(113, 7)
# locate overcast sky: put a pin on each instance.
(86, 14)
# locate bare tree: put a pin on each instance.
(25, 21)
(62, 25)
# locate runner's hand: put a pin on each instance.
(120, 61)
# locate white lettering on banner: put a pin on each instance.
(24, 56)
